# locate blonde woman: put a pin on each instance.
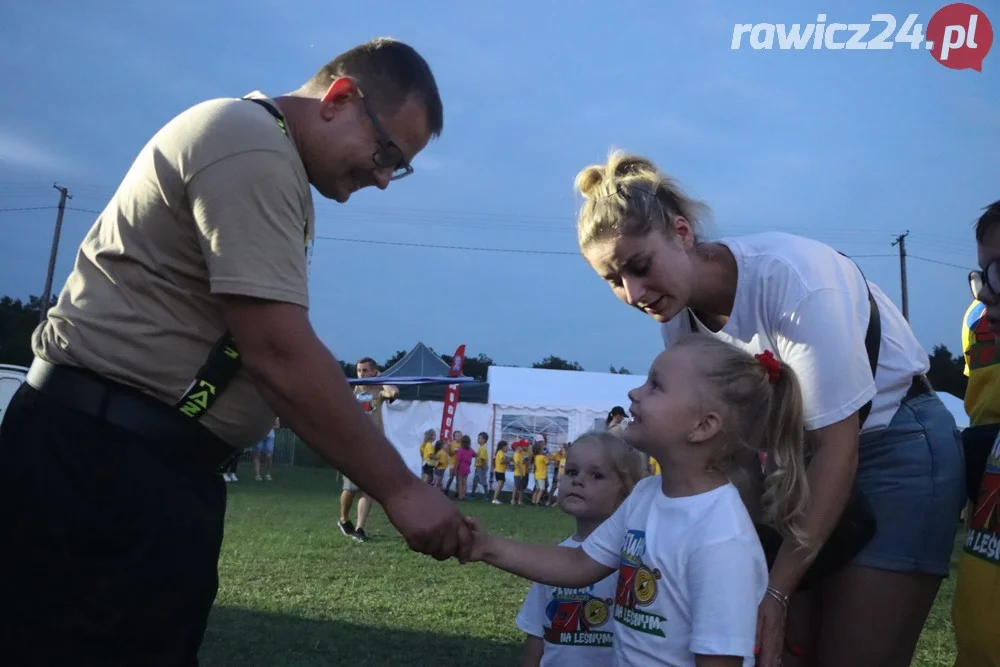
(812, 306)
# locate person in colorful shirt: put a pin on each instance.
(976, 605)
(371, 398)
(691, 568)
(482, 466)
(574, 627)
(982, 395)
(500, 470)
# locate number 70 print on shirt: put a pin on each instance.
(636, 587)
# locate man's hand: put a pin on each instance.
(390, 391)
(429, 522)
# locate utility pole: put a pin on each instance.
(63, 196)
(901, 242)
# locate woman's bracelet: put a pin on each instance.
(779, 596)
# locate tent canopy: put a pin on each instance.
(422, 362)
(542, 387)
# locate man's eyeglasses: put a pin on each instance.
(388, 155)
(988, 278)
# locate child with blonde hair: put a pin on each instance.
(427, 456)
(691, 570)
(441, 463)
(574, 626)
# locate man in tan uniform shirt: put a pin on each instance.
(111, 500)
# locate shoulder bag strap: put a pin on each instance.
(223, 362)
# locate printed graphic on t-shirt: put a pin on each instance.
(574, 616)
(636, 587)
(983, 540)
(367, 401)
(982, 345)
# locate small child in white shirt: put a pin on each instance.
(574, 627)
(691, 570)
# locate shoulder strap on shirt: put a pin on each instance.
(873, 339)
(223, 362)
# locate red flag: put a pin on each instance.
(451, 398)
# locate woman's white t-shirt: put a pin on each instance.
(808, 304)
(575, 623)
(691, 575)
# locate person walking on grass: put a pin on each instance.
(481, 472)
(540, 465)
(453, 446)
(371, 398)
(463, 466)
(180, 334)
(265, 450)
(441, 464)
(427, 456)
(500, 470)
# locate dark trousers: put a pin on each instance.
(109, 553)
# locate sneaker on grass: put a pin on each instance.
(347, 528)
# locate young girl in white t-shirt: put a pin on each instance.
(574, 626)
(691, 570)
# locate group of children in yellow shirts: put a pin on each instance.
(438, 457)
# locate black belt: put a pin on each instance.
(161, 427)
(919, 387)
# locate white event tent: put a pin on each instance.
(522, 402)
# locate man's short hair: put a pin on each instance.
(988, 221)
(388, 72)
(366, 360)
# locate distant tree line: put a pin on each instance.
(18, 320)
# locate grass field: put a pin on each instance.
(295, 592)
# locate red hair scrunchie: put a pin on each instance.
(770, 364)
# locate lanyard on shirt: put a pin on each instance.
(224, 362)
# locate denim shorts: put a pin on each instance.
(266, 446)
(912, 473)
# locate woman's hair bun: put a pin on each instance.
(589, 181)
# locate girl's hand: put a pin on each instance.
(476, 549)
(771, 621)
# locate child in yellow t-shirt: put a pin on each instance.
(482, 464)
(975, 609)
(456, 442)
(500, 469)
(441, 461)
(541, 464)
(558, 460)
(520, 476)
(427, 460)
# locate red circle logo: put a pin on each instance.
(959, 36)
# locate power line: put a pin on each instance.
(934, 261)
(448, 247)
(471, 248)
(28, 208)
